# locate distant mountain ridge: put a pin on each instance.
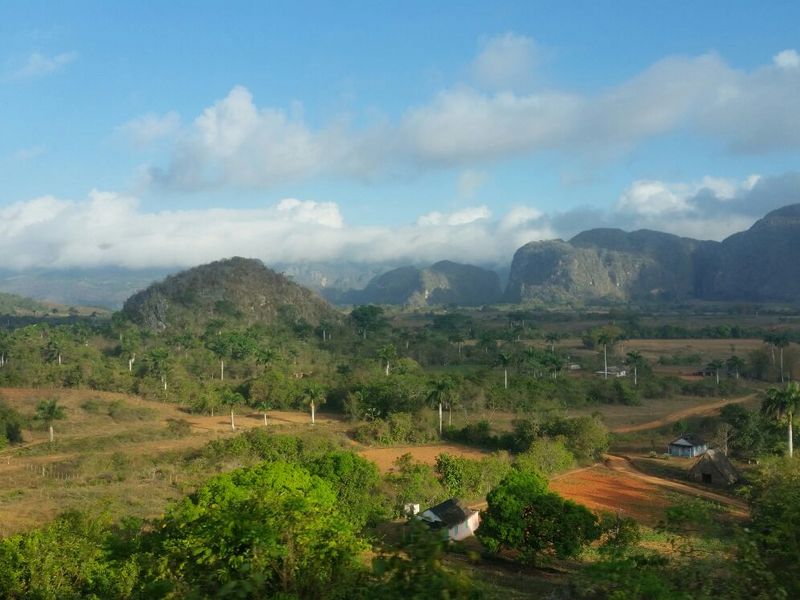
(445, 282)
(761, 264)
(610, 265)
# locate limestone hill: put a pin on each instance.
(239, 288)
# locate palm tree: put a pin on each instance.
(265, 356)
(780, 403)
(735, 364)
(440, 392)
(388, 353)
(635, 360)
(48, 411)
(781, 340)
(551, 338)
(313, 395)
(505, 359)
(605, 338)
(715, 365)
(231, 399)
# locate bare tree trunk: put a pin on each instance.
(440, 419)
(313, 420)
(387, 368)
(164, 381)
(781, 364)
(717, 374)
(233, 424)
(791, 441)
(635, 375)
(605, 361)
(51, 433)
(59, 361)
(265, 419)
(449, 415)
(221, 370)
(505, 378)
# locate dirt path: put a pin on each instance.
(621, 464)
(711, 408)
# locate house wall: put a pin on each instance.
(687, 451)
(465, 529)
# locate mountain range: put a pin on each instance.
(761, 264)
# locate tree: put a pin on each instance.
(551, 338)
(636, 360)
(781, 340)
(441, 391)
(273, 530)
(783, 403)
(605, 337)
(523, 517)
(504, 359)
(313, 394)
(368, 318)
(157, 363)
(230, 398)
(735, 364)
(48, 411)
(387, 354)
(715, 365)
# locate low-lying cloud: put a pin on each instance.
(108, 229)
(468, 126)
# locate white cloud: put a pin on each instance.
(787, 59)
(710, 208)
(150, 128)
(505, 61)
(235, 142)
(38, 65)
(109, 229)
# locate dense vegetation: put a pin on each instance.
(289, 516)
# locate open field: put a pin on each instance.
(385, 457)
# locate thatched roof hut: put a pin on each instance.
(714, 468)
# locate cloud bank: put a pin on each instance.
(236, 142)
(108, 229)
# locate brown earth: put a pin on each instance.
(385, 457)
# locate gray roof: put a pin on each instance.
(451, 512)
(688, 440)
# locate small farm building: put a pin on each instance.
(687, 445)
(613, 372)
(452, 517)
(714, 468)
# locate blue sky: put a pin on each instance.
(455, 129)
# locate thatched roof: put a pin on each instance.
(716, 463)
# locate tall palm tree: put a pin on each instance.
(48, 411)
(781, 340)
(313, 395)
(780, 403)
(441, 392)
(635, 359)
(551, 338)
(605, 338)
(387, 353)
(715, 365)
(735, 364)
(505, 359)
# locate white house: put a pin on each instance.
(453, 517)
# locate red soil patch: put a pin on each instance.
(601, 489)
(385, 457)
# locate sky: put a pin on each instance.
(169, 134)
